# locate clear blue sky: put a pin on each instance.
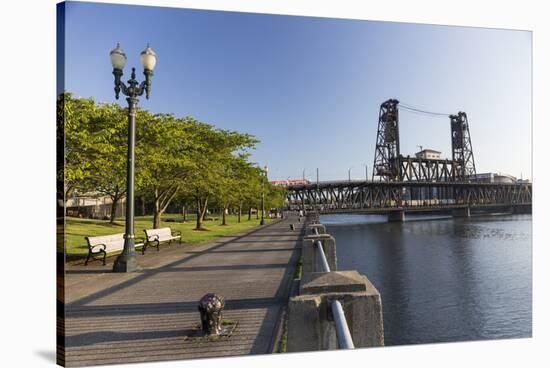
(310, 88)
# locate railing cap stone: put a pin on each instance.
(334, 282)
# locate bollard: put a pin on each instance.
(310, 256)
(310, 320)
(211, 308)
(316, 229)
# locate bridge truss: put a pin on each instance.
(353, 195)
(411, 182)
(390, 165)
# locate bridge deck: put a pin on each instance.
(422, 209)
(145, 316)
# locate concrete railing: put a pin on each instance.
(334, 309)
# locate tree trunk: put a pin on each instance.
(142, 205)
(157, 213)
(199, 219)
(257, 214)
(239, 214)
(184, 214)
(249, 213)
(113, 209)
(201, 210)
(223, 216)
(162, 200)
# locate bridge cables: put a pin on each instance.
(413, 109)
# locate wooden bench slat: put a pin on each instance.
(106, 244)
(154, 237)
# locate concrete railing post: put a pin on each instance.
(319, 227)
(310, 256)
(310, 322)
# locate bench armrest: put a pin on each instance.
(153, 238)
(97, 245)
(176, 232)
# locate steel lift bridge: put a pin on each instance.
(412, 184)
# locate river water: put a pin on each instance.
(442, 279)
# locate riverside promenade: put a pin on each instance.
(148, 315)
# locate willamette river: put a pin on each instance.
(443, 279)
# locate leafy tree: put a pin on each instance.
(232, 187)
(182, 158)
(74, 116)
(167, 148)
(248, 187)
(212, 176)
(108, 154)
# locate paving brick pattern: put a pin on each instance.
(146, 316)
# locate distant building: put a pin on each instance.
(428, 154)
(290, 182)
(92, 205)
(496, 178)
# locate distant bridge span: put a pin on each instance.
(413, 184)
(358, 196)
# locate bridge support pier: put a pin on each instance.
(311, 323)
(396, 216)
(461, 212)
(520, 209)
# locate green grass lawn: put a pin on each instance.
(77, 229)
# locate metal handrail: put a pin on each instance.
(324, 263)
(342, 330)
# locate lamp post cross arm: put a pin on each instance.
(134, 88)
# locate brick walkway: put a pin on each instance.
(145, 316)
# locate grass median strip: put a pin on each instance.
(77, 229)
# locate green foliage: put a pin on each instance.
(181, 158)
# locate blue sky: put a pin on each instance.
(310, 88)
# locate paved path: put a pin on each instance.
(145, 316)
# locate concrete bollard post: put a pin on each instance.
(310, 324)
(320, 229)
(310, 256)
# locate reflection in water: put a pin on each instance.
(442, 279)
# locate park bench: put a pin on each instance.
(153, 237)
(107, 244)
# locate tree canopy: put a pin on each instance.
(182, 158)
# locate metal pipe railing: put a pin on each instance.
(342, 330)
(323, 258)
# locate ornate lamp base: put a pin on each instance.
(126, 264)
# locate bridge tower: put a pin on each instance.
(386, 155)
(463, 154)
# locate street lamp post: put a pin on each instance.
(262, 222)
(126, 261)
